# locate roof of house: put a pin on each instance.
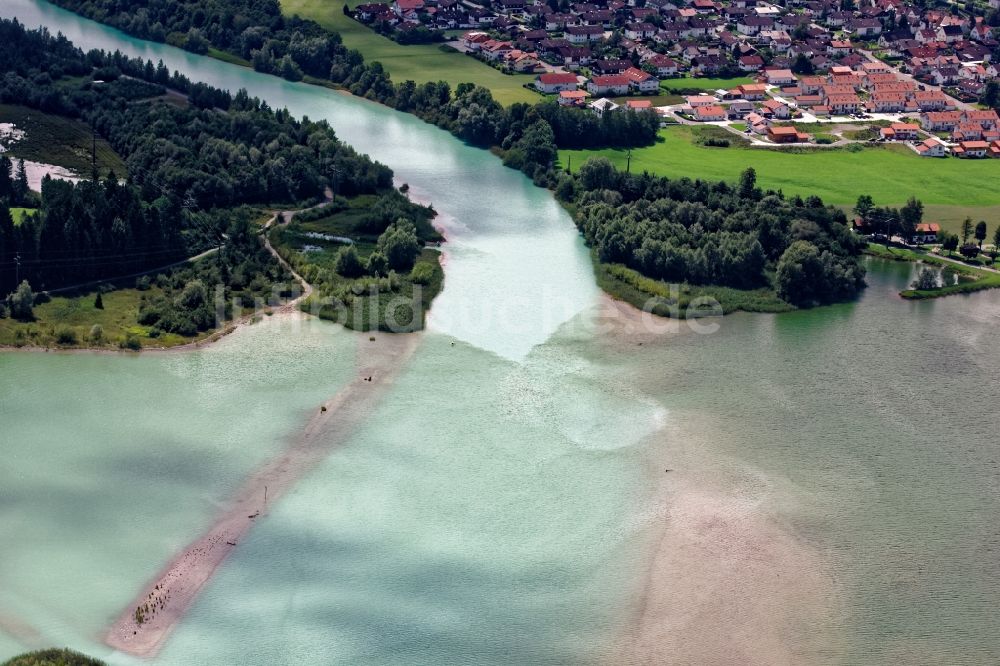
(610, 80)
(637, 75)
(783, 131)
(639, 104)
(928, 228)
(713, 110)
(555, 78)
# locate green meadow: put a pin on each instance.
(950, 188)
(418, 62)
(703, 83)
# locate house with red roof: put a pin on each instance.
(931, 148)
(926, 232)
(641, 81)
(611, 84)
(971, 149)
(553, 82)
(708, 114)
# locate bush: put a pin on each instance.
(347, 263)
(926, 280)
(130, 342)
(53, 657)
(65, 336)
(400, 245)
(96, 333)
(99, 302)
(21, 303)
(422, 273)
(142, 283)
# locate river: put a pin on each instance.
(833, 493)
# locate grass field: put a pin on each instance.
(60, 141)
(657, 100)
(417, 62)
(950, 188)
(18, 213)
(73, 317)
(703, 83)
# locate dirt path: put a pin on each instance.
(166, 599)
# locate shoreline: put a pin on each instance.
(168, 596)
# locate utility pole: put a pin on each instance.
(17, 260)
(628, 162)
(93, 153)
(569, 167)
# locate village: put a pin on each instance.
(809, 72)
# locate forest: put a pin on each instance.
(188, 163)
(295, 48)
(730, 235)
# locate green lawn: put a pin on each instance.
(57, 140)
(657, 100)
(19, 213)
(950, 188)
(417, 62)
(703, 83)
(77, 314)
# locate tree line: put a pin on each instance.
(703, 233)
(293, 48)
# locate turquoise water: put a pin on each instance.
(497, 507)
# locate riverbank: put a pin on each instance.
(146, 623)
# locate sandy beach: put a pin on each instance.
(165, 600)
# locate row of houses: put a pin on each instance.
(629, 81)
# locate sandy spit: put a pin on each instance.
(166, 599)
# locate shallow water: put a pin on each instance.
(495, 508)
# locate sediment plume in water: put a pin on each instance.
(147, 621)
(723, 577)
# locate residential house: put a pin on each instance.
(757, 123)
(739, 109)
(843, 104)
(602, 106)
(900, 132)
(573, 97)
(941, 121)
(786, 135)
(931, 148)
(582, 34)
(554, 82)
(696, 101)
(712, 113)
(641, 81)
(931, 100)
(971, 149)
(753, 91)
(926, 232)
(664, 65)
(640, 31)
(609, 84)
(775, 109)
(779, 77)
